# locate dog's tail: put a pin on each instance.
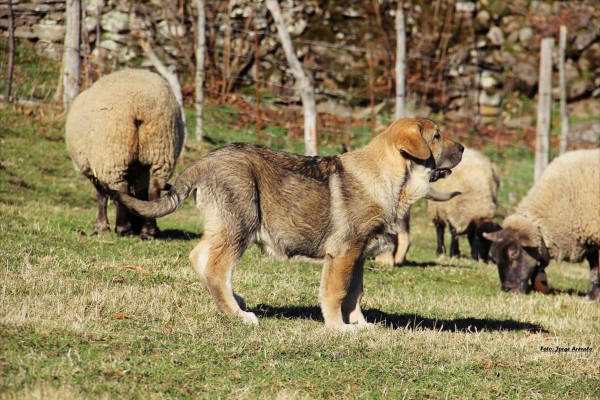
(180, 191)
(440, 196)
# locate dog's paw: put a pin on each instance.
(385, 258)
(343, 328)
(248, 318)
(365, 325)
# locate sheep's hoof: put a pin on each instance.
(149, 233)
(101, 227)
(594, 293)
(124, 230)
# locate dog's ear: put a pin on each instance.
(410, 140)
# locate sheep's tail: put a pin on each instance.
(435, 195)
(180, 191)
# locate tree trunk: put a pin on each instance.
(542, 143)
(307, 91)
(200, 48)
(400, 109)
(72, 56)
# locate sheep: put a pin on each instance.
(125, 133)
(472, 212)
(401, 244)
(558, 219)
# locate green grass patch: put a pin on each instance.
(86, 316)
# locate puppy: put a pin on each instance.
(336, 210)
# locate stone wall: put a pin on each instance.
(475, 56)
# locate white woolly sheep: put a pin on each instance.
(471, 212)
(397, 255)
(558, 219)
(125, 133)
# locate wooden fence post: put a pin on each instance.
(72, 56)
(371, 91)
(11, 44)
(256, 88)
(400, 109)
(564, 115)
(200, 48)
(542, 143)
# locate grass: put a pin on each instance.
(86, 316)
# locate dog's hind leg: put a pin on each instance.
(336, 281)
(214, 260)
(351, 311)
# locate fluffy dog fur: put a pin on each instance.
(337, 210)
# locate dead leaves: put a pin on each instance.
(120, 315)
(135, 268)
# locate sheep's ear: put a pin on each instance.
(526, 241)
(492, 236)
(406, 135)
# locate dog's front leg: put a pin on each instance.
(341, 290)
(351, 312)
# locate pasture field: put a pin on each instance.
(86, 316)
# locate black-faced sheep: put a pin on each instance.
(472, 212)
(397, 255)
(558, 219)
(125, 133)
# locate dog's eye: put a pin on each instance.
(437, 136)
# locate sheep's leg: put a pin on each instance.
(454, 251)
(440, 227)
(150, 229)
(594, 260)
(123, 226)
(101, 224)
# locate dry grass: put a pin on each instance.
(101, 316)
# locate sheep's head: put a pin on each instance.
(480, 246)
(519, 258)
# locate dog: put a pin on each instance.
(338, 210)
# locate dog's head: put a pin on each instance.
(421, 141)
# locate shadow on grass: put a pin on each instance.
(569, 292)
(176, 234)
(405, 321)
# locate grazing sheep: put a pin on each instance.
(397, 255)
(471, 212)
(558, 219)
(125, 133)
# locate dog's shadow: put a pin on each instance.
(176, 234)
(405, 321)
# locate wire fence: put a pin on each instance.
(346, 118)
